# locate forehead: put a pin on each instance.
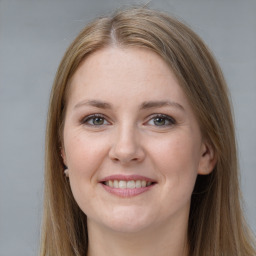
(122, 60)
(131, 69)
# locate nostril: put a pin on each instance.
(125, 160)
(115, 160)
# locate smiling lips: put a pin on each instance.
(127, 186)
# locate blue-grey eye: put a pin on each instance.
(98, 121)
(161, 120)
(95, 120)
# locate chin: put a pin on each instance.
(124, 226)
(128, 221)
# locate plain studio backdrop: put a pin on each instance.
(33, 38)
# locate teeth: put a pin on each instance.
(116, 185)
(127, 184)
(138, 184)
(122, 184)
(131, 184)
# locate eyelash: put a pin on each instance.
(93, 117)
(170, 120)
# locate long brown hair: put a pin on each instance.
(216, 223)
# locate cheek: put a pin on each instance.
(177, 160)
(178, 151)
(84, 154)
(85, 157)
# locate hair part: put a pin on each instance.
(216, 222)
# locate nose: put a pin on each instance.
(126, 146)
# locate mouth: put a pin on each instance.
(131, 184)
(127, 186)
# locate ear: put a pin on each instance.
(63, 155)
(208, 159)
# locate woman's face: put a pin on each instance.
(132, 144)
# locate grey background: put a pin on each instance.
(33, 38)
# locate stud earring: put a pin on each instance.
(66, 172)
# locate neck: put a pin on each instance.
(161, 241)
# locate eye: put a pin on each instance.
(95, 120)
(161, 120)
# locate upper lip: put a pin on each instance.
(126, 178)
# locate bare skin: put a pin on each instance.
(133, 148)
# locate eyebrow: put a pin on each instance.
(144, 105)
(159, 104)
(94, 103)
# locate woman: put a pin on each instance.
(140, 124)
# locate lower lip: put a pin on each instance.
(127, 192)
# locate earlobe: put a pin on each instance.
(208, 159)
